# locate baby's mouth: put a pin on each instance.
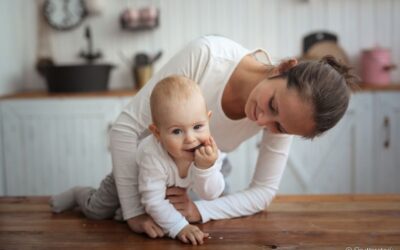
(194, 149)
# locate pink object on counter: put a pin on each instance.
(376, 65)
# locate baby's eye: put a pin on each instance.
(177, 131)
(198, 126)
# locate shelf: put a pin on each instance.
(45, 94)
(375, 87)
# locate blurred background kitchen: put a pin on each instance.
(67, 68)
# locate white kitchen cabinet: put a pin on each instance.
(387, 143)
(49, 145)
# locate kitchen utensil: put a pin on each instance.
(143, 68)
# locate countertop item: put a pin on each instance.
(319, 44)
(376, 64)
(77, 78)
(291, 222)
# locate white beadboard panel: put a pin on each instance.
(276, 25)
(350, 38)
(243, 161)
(302, 24)
(395, 37)
(285, 32)
(318, 14)
(334, 16)
(367, 24)
(17, 46)
(383, 18)
(52, 145)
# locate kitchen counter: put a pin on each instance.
(292, 222)
(131, 92)
(370, 87)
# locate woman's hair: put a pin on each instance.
(326, 84)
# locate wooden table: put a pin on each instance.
(292, 222)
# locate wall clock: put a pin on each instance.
(64, 14)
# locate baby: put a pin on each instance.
(180, 153)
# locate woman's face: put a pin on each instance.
(279, 109)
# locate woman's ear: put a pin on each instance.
(154, 130)
(209, 114)
(284, 66)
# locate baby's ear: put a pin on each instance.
(154, 130)
(209, 114)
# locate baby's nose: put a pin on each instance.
(189, 138)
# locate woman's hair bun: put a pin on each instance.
(344, 70)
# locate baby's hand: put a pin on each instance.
(205, 156)
(192, 234)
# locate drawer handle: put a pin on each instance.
(108, 143)
(386, 125)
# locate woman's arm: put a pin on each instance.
(125, 136)
(274, 150)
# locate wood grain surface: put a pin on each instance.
(291, 222)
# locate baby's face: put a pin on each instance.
(184, 127)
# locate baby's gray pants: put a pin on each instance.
(101, 203)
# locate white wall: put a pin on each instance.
(276, 25)
(17, 46)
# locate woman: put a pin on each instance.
(245, 96)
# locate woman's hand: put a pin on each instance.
(182, 202)
(145, 224)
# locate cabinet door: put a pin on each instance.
(51, 145)
(338, 161)
(387, 143)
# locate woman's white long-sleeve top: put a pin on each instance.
(209, 61)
